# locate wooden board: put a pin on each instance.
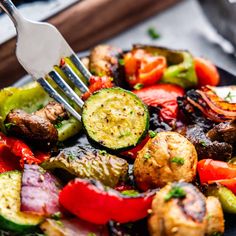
(84, 25)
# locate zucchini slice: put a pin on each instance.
(11, 218)
(115, 118)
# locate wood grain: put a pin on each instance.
(83, 25)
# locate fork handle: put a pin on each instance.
(11, 11)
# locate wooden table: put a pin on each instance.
(84, 25)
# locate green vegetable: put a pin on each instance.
(152, 134)
(147, 155)
(175, 192)
(153, 33)
(108, 120)
(225, 196)
(138, 86)
(131, 193)
(177, 160)
(30, 98)
(180, 63)
(11, 218)
(87, 162)
(183, 73)
(27, 98)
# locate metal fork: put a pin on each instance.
(40, 47)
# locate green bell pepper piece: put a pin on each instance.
(180, 63)
(225, 196)
(30, 98)
(182, 74)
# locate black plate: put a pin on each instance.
(230, 224)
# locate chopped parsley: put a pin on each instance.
(59, 223)
(71, 156)
(9, 125)
(121, 62)
(57, 216)
(102, 152)
(153, 33)
(138, 86)
(216, 234)
(58, 125)
(178, 160)
(175, 192)
(131, 193)
(39, 107)
(229, 97)
(147, 155)
(203, 143)
(152, 134)
(91, 234)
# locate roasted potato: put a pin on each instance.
(165, 158)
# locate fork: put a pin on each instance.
(40, 47)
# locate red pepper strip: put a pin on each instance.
(164, 96)
(7, 160)
(96, 83)
(134, 151)
(91, 201)
(19, 149)
(211, 171)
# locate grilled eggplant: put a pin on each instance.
(87, 162)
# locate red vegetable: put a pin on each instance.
(96, 83)
(39, 191)
(134, 151)
(211, 171)
(91, 201)
(143, 68)
(206, 72)
(14, 153)
(164, 96)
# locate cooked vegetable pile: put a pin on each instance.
(153, 155)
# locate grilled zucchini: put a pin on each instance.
(115, 118)
(11, 218)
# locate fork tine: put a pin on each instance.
(54, 94)
(74, 78)
(66, 88)
(83, 70)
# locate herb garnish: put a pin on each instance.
(147, 155)
(229, 97)
(153, 33)
(102, 152)
(9, 125)
(131, 193)
(121, 62)
(178, 160)
(203, 143)
(152, 134)
(91, 234)
(175, 192)
(58, 125)
(138, 86)
(39, 107)
(57, 216)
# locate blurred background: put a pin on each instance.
(205, 27)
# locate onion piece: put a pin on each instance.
(39, 191)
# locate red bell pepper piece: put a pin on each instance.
(143, 68)
(13, 149)
(91, 201)
(211, 171)
(164, 96)
(96, 83)
(134, 151)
